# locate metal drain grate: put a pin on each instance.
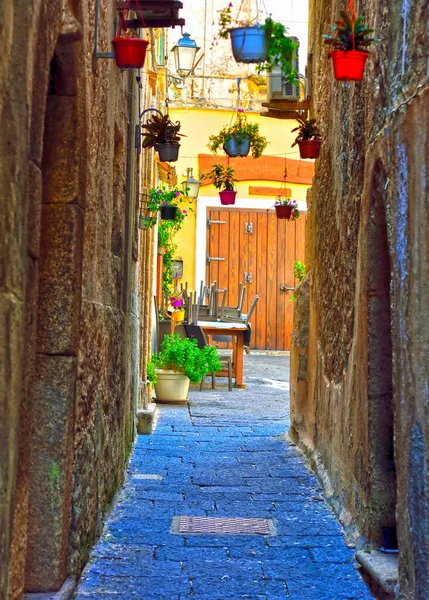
(222, 526)
(147, 476)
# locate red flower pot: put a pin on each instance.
(349, 65)
(130, 52)
(283, 211)
(227, 197)
(309, 148)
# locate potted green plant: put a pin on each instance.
(166, 201)
(239, 138)
(163, 135)
(286, 209)
(178, 362)
(267, 44)
(308, 139)
(349, 39)
(223, 179)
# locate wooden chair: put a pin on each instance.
(195, 331)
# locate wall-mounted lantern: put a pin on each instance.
(184, 55)
(191, 185)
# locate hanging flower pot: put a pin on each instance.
(309, 148)
(227, 196)
(168, 151)
(283, 212)
(130, 52)
(349, 65)
(237, 147)
(168, 213)
(249, 44)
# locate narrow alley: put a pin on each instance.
(224, 456)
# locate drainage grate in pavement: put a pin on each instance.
(222, 526)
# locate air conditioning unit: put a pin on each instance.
(278, 87)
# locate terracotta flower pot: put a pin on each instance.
(348, 65)
(283, 211)
(309, 148)
(129, 52)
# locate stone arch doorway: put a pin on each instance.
(58, 318)
(380, 380)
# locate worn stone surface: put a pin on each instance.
(50, 472)
(67, 143)
(225, 456)
(374, 160)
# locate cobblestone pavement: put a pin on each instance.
(225, 455)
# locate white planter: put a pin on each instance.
(171, 387)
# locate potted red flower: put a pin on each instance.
(349, 39)
(223, 179)
(308, 139)
(286, 209)
(130, 50)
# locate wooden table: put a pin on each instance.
(236, 331)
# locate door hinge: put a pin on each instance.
(211, 222)
(248, 228)
(209, 259)
(248, 277)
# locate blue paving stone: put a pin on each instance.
(225, 455)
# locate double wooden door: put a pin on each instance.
(257, 249)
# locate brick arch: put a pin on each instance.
(265, 168)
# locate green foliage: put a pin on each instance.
(241, 129)
(221, 177)
(280, 51)
(299, 270)
(183, 355)
(152, 377)
(160, 130)
(299, 274)
(167, 229)
(308, 130)
(350, 33)
(280, 201)
(280, 46)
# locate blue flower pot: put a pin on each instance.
(249, 44)
(233, 148)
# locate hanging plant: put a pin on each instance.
(286, 209)
(349, 39)
(239, 138)
(268, 44)
(223, 179)
(163, 135)
(129, 50)
(309, 139)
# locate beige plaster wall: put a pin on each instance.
(375, 154)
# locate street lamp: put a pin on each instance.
(191, 185)
(184, 55)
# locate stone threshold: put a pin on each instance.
(65, 593)
(380, 571)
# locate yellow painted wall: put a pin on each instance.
(197, 125)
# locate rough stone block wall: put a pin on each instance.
(373, 166)
(70, 301)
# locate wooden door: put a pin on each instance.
(257, 249)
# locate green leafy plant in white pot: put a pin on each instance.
(179, 362)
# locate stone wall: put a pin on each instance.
(363, 413)
(70, 299)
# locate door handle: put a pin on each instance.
(248, 277)
(286, 288)
(209, 259)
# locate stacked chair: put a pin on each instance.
(208, 305)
